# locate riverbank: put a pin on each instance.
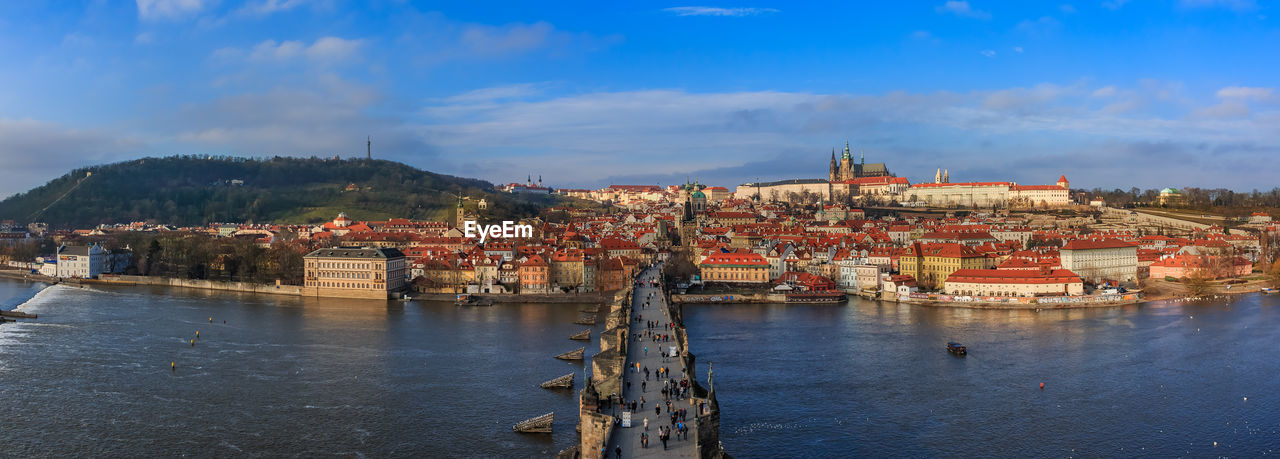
(579, 298)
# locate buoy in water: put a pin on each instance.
(173, 366)
(1041, 386)
(210, 320)
(193, 343)
(197, 334)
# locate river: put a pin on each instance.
(282, 377)
(292, 377)
(873, 379)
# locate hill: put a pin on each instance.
(191, 190)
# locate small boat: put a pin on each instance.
(584, 335)
(572, 355)
(1267, 290)
(956, 349)
(563, 382)
(540, 424)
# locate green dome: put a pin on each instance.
(1170, 191)
(698, 194)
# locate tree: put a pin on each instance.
(680, 265)
(1197, 284)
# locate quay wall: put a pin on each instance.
(728, 298)
(246, 287)
(598, 297)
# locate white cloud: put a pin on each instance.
(659, 134)
(717, 11)
(988, 53)
(157, 10)
(1104, 92)
(921, 35)
(267, 7)
(962, 9)
(515, 91)
(323, 50)
(1067, 8)
(144, 38)
(1017, 49)
(1243, 92)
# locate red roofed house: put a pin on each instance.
(535, 275)
(1213, 267)
(1014, 282)
(807, 282)
(1096, 261)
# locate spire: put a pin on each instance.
(846, 152)
(937, 176)
(368, 148)
(864, 157)
(946, 176)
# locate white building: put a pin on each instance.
(81, 261)
(1097, 261)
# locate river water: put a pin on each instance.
(282, 377)
(869, 379)
(292, 377)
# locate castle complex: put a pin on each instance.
(846, 169)
(873, 182)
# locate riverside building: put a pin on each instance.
(354, 272)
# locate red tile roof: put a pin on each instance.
(1082, 244)
(1013, 276)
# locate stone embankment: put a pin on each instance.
(704, 298)
(111, 279)
(577, 298)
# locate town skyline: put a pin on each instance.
(651, 94)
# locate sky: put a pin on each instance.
(1111, 93)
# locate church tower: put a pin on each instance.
(846, 163)
(946, 176)
(937, 176)
(831, 176)
(1062, 182)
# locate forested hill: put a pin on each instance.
(191, 190)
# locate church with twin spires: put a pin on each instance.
(846, 169)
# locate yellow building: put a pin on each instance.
(354, 272)
(931, 264)
(735, 268)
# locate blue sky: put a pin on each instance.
(1111, 93)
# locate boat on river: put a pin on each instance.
(1267, 290)
(956, 348)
